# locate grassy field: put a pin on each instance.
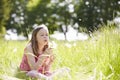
(95, 59)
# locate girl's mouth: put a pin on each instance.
(45, 40)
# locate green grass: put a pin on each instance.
(97, 58)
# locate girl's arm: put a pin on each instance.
(50, 56)
(31, 59)
(33, 64)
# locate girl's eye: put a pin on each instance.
(42, 35)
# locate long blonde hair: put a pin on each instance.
(34, 43)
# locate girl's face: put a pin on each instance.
(42, 36)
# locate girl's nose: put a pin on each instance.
(45, 36)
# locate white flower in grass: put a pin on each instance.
(68, 45)
(74, 44)
(15, 50)
(53, 45)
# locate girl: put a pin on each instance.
(38, 56)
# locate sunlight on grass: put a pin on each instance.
(96, 58)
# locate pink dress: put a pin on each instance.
(24, 66)
(44, 69)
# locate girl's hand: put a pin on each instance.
(52, 57)
(42, 58)
(49, 60)
(48, 51)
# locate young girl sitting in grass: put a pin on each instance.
(38, 56)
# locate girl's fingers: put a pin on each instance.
(49, 50)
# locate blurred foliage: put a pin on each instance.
(91, 13)
(22, 15)
(18, 17)
(4, 15)
(41, 14)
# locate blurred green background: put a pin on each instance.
(84, 15)
(96, 58)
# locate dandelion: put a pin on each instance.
(68, 45)
(74, 44)
(53, 45)
(15, 50)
